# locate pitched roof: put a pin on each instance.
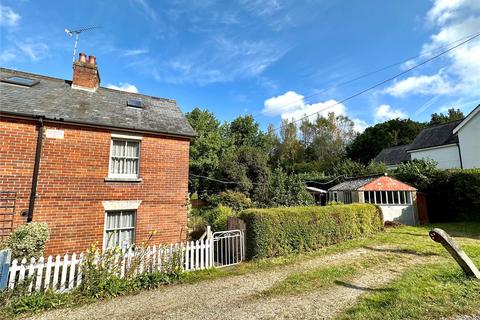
(352, 184)
(469, 117)
(436, 135)
(54, 99)
(377, 182)
(393, 155)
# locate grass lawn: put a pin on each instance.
(422, 292)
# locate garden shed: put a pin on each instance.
(396, 199)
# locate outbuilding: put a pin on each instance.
(396, 199)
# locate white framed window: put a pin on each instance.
(388, 197)
(124, 158)
(119, 228)
(347, 197)
(335, 196)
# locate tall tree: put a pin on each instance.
(383, 135)
(452, 115)
(207, 148)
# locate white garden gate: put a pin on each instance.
(228, 248)
(219, 249)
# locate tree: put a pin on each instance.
(383, 135)
(452, 115)
(206, 149)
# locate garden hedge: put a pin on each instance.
(454, 195)
(281, 231)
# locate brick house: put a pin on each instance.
(96, 164)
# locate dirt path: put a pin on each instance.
(228, 298)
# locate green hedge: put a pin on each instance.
(280, 231)
(454, 195)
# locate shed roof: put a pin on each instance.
(383, 182)
(54, 99)
(436, 135)
(352, 184)
(393, 155)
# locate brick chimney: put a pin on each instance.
(85, 73)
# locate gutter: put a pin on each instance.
(36, 168)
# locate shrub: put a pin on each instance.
(28, 240)
(236, 200)
(282, 190)
(281, 231)
(454, 195)
(216, 217)
(418, 173)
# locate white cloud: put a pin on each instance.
(292, 106)
(134, 52)
(8, 17)
(435, 84)
(33, 50)
(124, 86)
(385, 112)
(453, 20)
(7, 55)
(146, 8)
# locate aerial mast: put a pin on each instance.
(77, 35)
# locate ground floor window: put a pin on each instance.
(388, 197)
(347, 197)
(335, 196)
(119, 228)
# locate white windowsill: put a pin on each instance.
(123, 179)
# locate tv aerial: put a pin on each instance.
(77, 32)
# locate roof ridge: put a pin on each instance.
(70, 81)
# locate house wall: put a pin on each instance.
(469, 140)
(447, 156)
(71, 184)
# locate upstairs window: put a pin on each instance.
(124, 158)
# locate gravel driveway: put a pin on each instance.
(230, 297)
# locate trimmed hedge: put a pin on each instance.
(281, 231)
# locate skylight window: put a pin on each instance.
(21, 81)
(135, 103)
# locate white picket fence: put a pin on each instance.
(63, 274)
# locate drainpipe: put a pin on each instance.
(460, 155)
(36, 167)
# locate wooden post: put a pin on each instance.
(438, 235)
(5, 256)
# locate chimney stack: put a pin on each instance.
(85, 73)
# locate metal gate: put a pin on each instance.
(228, 248)
(7, 211)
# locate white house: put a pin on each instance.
(453, 144)
(468, 132)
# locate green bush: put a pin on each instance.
(454, 195)
(28, 240)
(216, 217)
(281, 231)
(418, 173)
(236, 200)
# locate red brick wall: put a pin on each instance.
(71, 184)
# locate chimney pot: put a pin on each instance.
(85, 73)
(83, 57)
(92, 60)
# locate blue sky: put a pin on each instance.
(260, 57)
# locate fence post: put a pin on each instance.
(5, 257)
